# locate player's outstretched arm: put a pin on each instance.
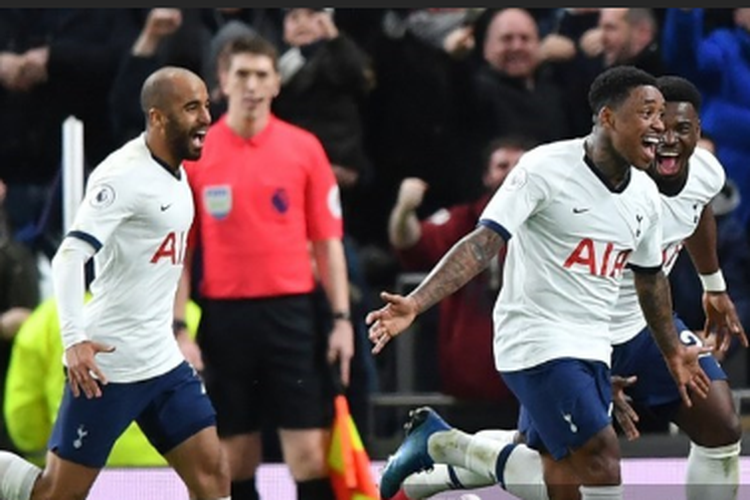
(656, 302)
(467, 258)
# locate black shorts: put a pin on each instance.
(265, 361)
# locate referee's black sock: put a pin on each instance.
(314, 489)
(245, 490)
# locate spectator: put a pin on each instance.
(145, 56)
(325, 78)
(266, 197)
(571, 68)
(417, 115)
(627, 36)
(19, 294)
(190, 38)
(53, 63)
(514, 90)
(619, 36)
(717, 61)
(35, 385)
(464, 336)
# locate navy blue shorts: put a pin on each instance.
(169, 409)
(564, 403)
(641, 356)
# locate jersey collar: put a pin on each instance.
(174, 173)
(614, 189)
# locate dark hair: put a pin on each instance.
(252, 44)
(521, 142)
(612, 86)
(678, 89)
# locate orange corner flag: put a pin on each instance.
(348, 462)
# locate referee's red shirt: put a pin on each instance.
(258, 202)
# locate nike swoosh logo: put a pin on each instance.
(580, 210)
(164, 207)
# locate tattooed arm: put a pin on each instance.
(656, 302)
(655, 299)
(467, 258)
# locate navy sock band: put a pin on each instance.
(455, 482)
(502, 459)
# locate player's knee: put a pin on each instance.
(212, 479)
(724, 429)
(728, 432)
(601, 469)
(45, 489)
(733, 430)
(598, 461)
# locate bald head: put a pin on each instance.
(175, 105)
(511, 44)
(163, 86)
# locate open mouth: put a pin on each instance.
(667, 163)
(649, 146)
(198, 138)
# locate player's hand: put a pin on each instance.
(624, 413)
(722, 321)
(341, 348)
(83, 372)
(411, 193)
(190, 349)
(687, 371)
(391, 319)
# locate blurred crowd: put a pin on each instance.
(421, 113)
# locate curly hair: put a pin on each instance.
(612, 86)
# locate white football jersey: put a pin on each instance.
(680, 216)
(137, 214)
(570, 238)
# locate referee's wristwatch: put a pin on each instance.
(342, 316)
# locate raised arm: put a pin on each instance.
(467, 258)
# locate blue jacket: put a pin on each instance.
(719, 64)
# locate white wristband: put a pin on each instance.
(713, 282)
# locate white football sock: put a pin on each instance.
(713, 472)
(522, 475)
(501, 435)
(17, 477)
(602, 492)
(459, 449)
(442, 478)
